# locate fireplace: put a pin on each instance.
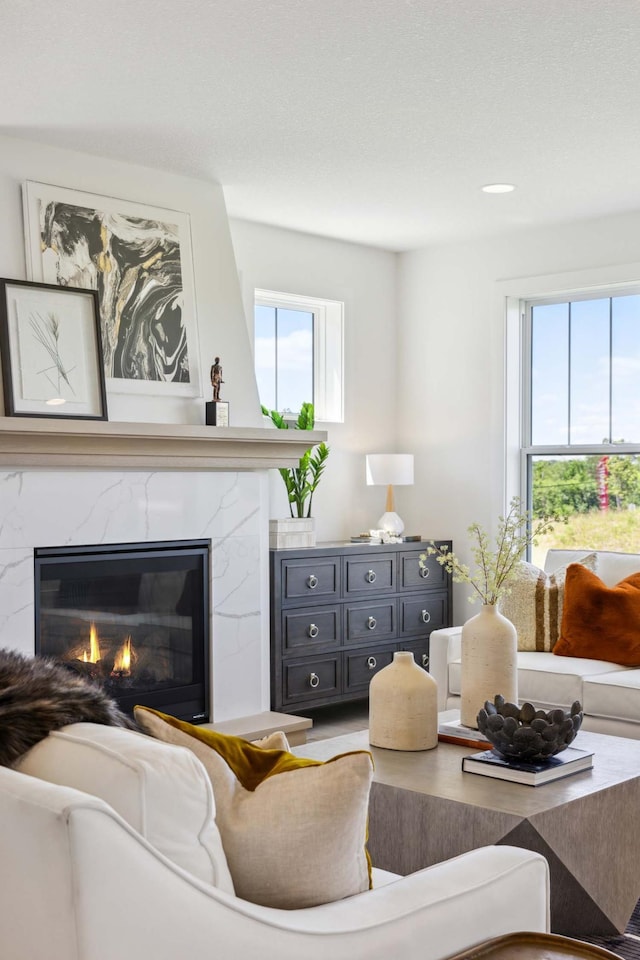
(133, 617)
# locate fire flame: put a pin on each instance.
(94, 654)
(124, 658)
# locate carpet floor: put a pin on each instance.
(627, 945)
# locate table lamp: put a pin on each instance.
(390, 469)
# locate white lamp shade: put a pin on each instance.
(389, 468)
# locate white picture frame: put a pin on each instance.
(139, 259)
(52, 364)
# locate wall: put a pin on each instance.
(220, 320)
(451, 406)
(365, 280)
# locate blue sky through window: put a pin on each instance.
(284, 357)
(585, 381)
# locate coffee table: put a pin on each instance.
(423, 810)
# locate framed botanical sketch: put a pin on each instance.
(138, 259)
(52, 363)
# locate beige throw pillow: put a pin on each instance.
(295, 833)
(534, 605)
(273, 741)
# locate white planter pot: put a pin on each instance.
(489, 662)
(292, 533)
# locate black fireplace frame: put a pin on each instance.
(191, 702)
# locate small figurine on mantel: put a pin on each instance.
(216, 378)
(217, 410)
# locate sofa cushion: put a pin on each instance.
(612, 567)
(534, 604)
(600, 622)
(547, 680)
(293, 829)
(162, 791)
(614, 696)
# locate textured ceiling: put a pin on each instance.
(375, 121)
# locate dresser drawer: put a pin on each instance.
(423, 614)
(369, 620)
(311, 579)
(370, 574)
(310, 628)
(419, 649)
(362, 665)
(311, 679)
(412, 576)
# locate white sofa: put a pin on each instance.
(130, 866)
(608, 692)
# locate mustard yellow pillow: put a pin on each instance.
(600, 622)
(294, 830)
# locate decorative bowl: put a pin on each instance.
(524, 733)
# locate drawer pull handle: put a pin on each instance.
(425, 660)
(426, 616)
(371, 576)
(312, 581)
(313, 631)
(314, 680)
(372, 663)
(424, 572)
(372, 623)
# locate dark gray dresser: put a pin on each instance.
(339, 611)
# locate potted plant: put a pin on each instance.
(300, 482)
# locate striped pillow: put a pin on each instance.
(534, 604)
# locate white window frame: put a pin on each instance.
(529, 449)
(328, 348)
(614, 280)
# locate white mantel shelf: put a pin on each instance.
(40, 442)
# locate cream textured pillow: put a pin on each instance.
(534, 605)
(295, 833)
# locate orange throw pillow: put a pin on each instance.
(600, 622)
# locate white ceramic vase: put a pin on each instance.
(403, 706)
(489, 662)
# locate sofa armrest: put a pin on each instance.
(428, 915)
(444, 646)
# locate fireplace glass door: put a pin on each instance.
(132, 617)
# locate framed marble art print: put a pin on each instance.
(138, 258)
(52, 363)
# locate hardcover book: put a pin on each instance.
(491, 764)
(454, 731)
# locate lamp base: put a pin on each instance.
(391, 523)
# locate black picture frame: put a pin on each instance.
(51, 346)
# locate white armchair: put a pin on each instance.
(79, 882)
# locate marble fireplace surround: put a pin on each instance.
(93, 482)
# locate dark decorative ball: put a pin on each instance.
(524, 733)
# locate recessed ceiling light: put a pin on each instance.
(498, 187)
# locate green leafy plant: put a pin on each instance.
(301, 481)
(497, 568)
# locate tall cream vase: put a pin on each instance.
(489, 662)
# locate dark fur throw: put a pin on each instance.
(38, 695)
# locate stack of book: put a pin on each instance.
(491, 764)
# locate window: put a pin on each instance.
(298, 353)
(581, 453)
